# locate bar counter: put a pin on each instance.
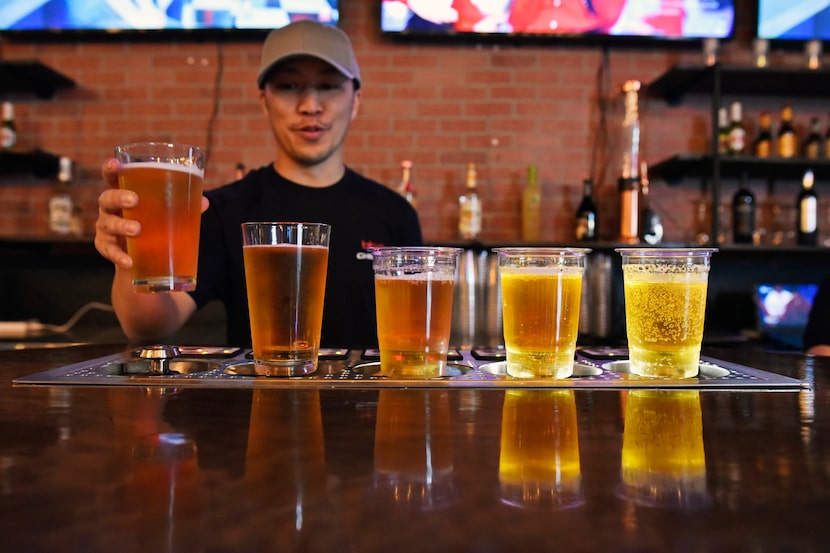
(161, 469)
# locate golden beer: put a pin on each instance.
(539, 459)
(663, 461)
(286, 286)
(664, 314)
(541, 319)
(165, 255)
(414, 322)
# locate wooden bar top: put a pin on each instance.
(160, 469)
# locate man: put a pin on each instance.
(817, 333)
(310, 91)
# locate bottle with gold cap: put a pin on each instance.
(786, 133)
(8, 130)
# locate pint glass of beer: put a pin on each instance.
(168, 179)
(541, 289)
(285, 273)
(413, 290)
(665, 304)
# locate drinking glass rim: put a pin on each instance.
(542, 250)
(429, 250)
(665, 252)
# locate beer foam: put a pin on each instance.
(667, 273)
(541, 271)
(192, 169)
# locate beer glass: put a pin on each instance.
(168, 179)
(539, 458)
(413, 290)
(285, 273)
(541, 289)
(663, 461)
(665, 304)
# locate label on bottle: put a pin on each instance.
(60, 213)
(469, 218)
(8, 137)
(744, 222)
(585, 226)
(807, 218)
(786, 145)
(737, 140)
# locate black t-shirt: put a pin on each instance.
(362, 214)
(818, 325)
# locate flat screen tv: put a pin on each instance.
(98, 18)
(610, 21)
(793, 20)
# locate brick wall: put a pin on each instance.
(500, 106)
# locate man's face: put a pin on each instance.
(310, 106)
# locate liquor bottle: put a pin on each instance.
(239, 171)
(629, 181)
(587, 227)
(807, 231)
(786, 133)
(531, 207)
(60, 203)
(812, 144)
(743, 214)
(651, 224)
(406, 188)
(723, 131)
(763, 143)
(827, 140)
(8, 131)
(737, 132)
(469, 208)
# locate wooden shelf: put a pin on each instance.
(674, 169)
(40, 163)
(32, 77)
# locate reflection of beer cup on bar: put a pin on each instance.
(168, 179)
(413, 290)
(665, 307)
(541, 289)
(663, 462)
(285, 273)
(413, 448)
(539, 460)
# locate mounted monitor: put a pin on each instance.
(601, 21)
(793, 20)
(131, 18)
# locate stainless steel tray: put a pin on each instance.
(483, 368)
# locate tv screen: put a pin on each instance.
(597, 19)
(796, 20)
(103, 17)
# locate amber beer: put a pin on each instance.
(539, 460)
(541, 291)
(413, 292)
(665, 306)
(663, 461)
(286, 286)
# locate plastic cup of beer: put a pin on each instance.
(665, 306)
(413, 291)
(168, 179)
(285, 273)
(541, 290)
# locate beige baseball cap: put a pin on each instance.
(309, 38)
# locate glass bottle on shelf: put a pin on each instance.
(531, 206)
(629, 181)
(763, 142)
(807, 207)
(737, 132)
(723, 131)
(8, 130)
(827, 140)
(60, 203)
(743, 214)
(469, 208)
(651, 225)
(812, 144)
(586, 227)
(786, 133)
